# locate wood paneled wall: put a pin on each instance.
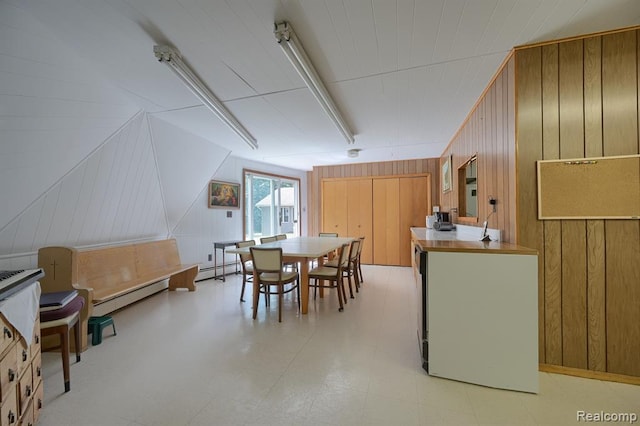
(489, 133)
(579, 98)
(386, 168)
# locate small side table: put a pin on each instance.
(222, 245)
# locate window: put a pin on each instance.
(272, 205)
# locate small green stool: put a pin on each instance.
(96, 325)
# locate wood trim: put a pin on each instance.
(578, 37)
(481, 99)
(589, 374)
(374, 177)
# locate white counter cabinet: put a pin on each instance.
(481, 302)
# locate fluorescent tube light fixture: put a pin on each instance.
(172, 58)
(292, 48)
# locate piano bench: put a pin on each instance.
(97, 325)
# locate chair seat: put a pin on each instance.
(333, 263)
(322, 271)
(267, 277)
(60, 321)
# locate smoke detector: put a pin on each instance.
(353, 153)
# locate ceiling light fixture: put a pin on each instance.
(292, 48)
(172, 58)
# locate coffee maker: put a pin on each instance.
(442, 222)
(442, 216)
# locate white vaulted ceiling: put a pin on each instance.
(404, 73)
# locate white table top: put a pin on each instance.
(311, 247)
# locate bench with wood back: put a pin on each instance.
(115, 276)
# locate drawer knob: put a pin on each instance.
(37, 339)
(8, 333)
(24, 355)
(39, 403)
(11, 417)
(12, 375)
(27, 391)
(38, 371)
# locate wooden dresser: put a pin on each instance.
(21, 388)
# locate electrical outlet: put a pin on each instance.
(210, 257)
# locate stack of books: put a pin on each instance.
(57, 300)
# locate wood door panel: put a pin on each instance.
(386, 221)
(360, 214)
(414, 208)
(622, 246)
(334, 207)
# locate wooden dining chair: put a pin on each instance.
(246, 264)
(326, 235)
(267, 264)
(280, 237)
(60, 322)
(359, 262)
(327, 277)
(349, 266)
(264, 240)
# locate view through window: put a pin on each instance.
(272, 205)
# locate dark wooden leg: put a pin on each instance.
(244, 283)
(64, 350)
(256, 294)
(77, 333)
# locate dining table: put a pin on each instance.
(301, 250)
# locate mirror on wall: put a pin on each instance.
(468, 191)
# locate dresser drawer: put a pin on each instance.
(9, 409)
(25, 389)
(35, 341)
(27, 417)
(8, 373)
(23, 356)
(36, 370)
(7, 334)
(38, 402)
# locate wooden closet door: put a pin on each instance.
(334, 207)
(360, 216)
(414, 207)
(386, 221)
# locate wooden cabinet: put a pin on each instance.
(21, 387)
(386, 221)
(334, 207)
(346, 209)
(359, 219)
(399, 204)
(414, 205)
(381, 209)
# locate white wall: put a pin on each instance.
(80, 164)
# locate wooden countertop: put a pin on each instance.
(428, 240)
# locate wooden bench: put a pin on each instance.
(113, 277)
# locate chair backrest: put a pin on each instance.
(267, 239)
(281, 237)
(355, 248)
(245, 257)
(266, 259)
(360, 245)
(328, 234)
(343, 255)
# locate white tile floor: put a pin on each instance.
(198, 358)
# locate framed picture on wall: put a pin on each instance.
(446, 174)
(224, 195)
